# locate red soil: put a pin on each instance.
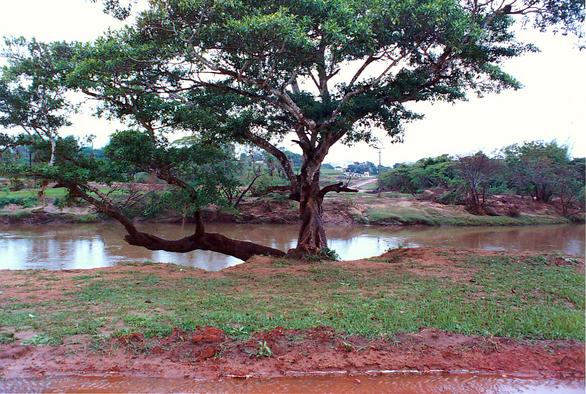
(209, 354)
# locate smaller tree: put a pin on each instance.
(570, 187)
(423, 174)
(534, 168)
(31, 96)
(476, 173)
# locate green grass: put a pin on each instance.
(508, 296)
(26, 202)
(25, 193)
(86, 218)
(430, 216)
(28, 197)
(370, 186)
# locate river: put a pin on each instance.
(101, 245)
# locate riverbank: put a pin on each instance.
(408, 309)
(391, 209)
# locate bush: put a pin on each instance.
(141, 177)
(153, 205)
(263, 184)
(26, 202)
(60, 202)
(16, 184)
(329, 254)
(450, 197)
(68, 201)
(324, 254)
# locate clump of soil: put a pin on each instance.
(209, 353)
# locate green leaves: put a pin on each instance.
(133, 149)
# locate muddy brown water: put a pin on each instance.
(102, 245)
(397, 384)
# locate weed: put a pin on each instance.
(263, 349)
(347, 346)
(324, 254)
(281, 263)
(151, 280)
(6, 338)
(98, 343)
(151, 326)
(329, 254)
(237, 331)
(40, 339)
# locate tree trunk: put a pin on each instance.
(312, 235)
(53, 148)
(41, 192)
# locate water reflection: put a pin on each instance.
(101, 245)
(397, 384)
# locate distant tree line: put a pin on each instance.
(32, 149)
(542, 171)
(364, 167)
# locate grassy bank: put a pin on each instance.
(390, 215)
(485, 294)
(402, 209)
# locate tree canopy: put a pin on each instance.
(32, 97)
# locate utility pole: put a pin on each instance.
(378, 175)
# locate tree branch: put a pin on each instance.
(337, 187)
(199, 240)
(277, 153)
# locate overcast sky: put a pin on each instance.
(550, 106)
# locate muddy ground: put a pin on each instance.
(208, 353)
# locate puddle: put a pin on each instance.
(396, 384)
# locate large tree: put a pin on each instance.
(325, 72)
(331, 71)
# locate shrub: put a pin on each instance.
(26, 202)
(450, 197)
(141, 177)
(16, 184)
(68, 201)
(263, 184)
(329, 254)
(324, 254)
